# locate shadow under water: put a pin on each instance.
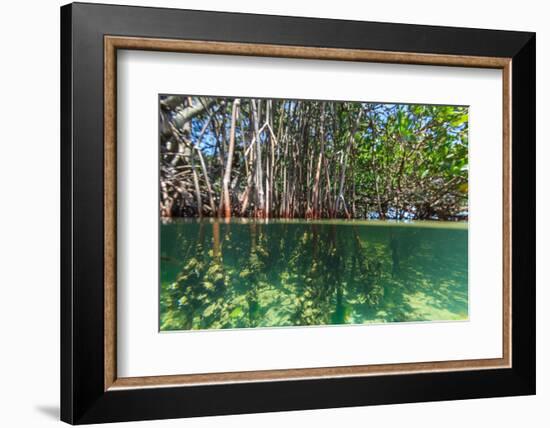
(241, 274)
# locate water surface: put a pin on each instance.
(242, 274)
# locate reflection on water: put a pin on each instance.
(245, 274)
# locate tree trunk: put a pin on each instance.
(316, 202)
(345, 155)
(260, 197)
(229, 164)
(197, 186)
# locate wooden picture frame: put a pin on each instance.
(91, 390)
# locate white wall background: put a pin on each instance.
(29, 214)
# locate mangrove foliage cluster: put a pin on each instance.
(276, 158)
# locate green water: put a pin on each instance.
(246, 274)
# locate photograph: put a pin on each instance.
(289, 212)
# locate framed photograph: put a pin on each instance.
(265, 213)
